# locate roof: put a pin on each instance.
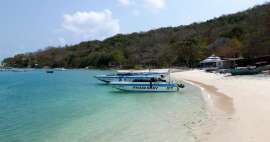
(211, 59)
(234, 59)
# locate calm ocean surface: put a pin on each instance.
(72, 106)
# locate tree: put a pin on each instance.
(231, 48)
(118, 57)
(190, 51)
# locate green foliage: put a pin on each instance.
(190, 51)
(232, 48)
(236, 32)
(118, 57)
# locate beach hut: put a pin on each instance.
(212, 62)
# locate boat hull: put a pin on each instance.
(245, 71)
(145, 87)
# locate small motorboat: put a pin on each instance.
(128, 77)
(50, 71)
(153, 85)
(60, 69)
(245, 71)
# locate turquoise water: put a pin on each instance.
(72, 106)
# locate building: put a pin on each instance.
(212, 62)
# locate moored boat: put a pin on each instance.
(50, 71)
(60, 69)
(129, 76)
(245, 71)
(154, 85)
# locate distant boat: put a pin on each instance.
(50, 71)
(245, 71)
(60, 69)
(154, 85)
(18, 70)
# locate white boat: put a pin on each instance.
(128, 77)
(60, 69)
(154, 85)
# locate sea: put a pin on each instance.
(73, 106)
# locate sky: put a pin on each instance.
(30, 25)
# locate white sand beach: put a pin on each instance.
(239, 106)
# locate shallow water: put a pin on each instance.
(72, 106)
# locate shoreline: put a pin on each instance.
(219, 108)
(237, 106)
(215, 98)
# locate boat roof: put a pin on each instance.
(133, 76)
(211, 59)
(161, 71)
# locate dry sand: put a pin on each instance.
(239, 106)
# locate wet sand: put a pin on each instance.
(219, 100)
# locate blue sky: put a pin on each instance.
(29, 25)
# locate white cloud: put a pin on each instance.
(91, 24)
(136, 6)
(156, 4)
(124, 2)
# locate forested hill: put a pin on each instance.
(245, 34)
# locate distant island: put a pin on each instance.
(244, 34)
